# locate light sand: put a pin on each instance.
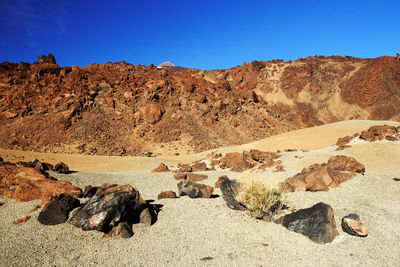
(188, 230)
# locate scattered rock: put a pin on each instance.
(61, 168)
(42, 166)
(318, 177)
(110, 205)
(184, 168)
(235, 161)
(352, 225)
(194, 190)
(57, 210)
(89, 191)
(161, 168)
(220, 179)
(229, 189)
(199, 167)
(122, 230)
(27, 183)
(193, 177)
(35, 208)
(167, 194)
(1, 203)
(396, 179)
(207, 259)
(22, 220)
(317, 223)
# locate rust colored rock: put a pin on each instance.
(180, 176)
(317, 223)
(184, 168)
(152, 113)
(161, 168)
(236, 162)
(318, 177)
(380, 132)
(26, 183)
(57, 210)
(111, 205)
(22, 220)
(47, 59)
(220, 179)
(167, 194)
(352, 225)
(195, 177)
(122, 230)
(194, 190)
(199, 167)
(61, 168)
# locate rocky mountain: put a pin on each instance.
(122, 109)
(169, 66)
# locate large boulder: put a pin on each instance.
(110, 205)
(61, 168)
(317, 223)
(57, 210)
(194, 190)
(152, 113)
(319, 177)
(25, 183)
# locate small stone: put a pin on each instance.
(184, 168)
(61, 168)
(145, 217)
(199, 167)
(1, 203)
(195, 177)
(396, 179)
(194, 190)
(22, 220)
(352, 225)
(122, 230)
(161, 168)
(206, 258)
(167, 194)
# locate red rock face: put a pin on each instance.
(26, 184)
(118, 108)
(318, 177)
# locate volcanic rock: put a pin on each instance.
(193, 177)
(110, 205)
(352, 225)
(167, 194)
(184, 168)
(22, 220)
(161, 168)
(47, 59)
(152, 113)
(199, 167)
(42, 166)
(229, 189)
(194, 190)
(318, 177)
(61, 168)
(89, 191)
(235, 161)
(57, 210)
(317, 223)
(220, 179)
(26, 183)
(122, 230)
(1, 203)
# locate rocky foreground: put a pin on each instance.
(122, 109)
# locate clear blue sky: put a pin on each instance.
(200, 34)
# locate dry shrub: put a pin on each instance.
(259, 200)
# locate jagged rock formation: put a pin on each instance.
(121, 109)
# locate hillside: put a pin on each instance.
(122, 109)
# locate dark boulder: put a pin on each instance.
(317, 223)
(229, 189)
(90, 191)
(61, 168)
(110, 205)
(57, 210)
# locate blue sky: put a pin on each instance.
(199, 34)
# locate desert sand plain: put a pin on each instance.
(205, 231)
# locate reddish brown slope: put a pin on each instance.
(118, 108)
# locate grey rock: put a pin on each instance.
(317, 223)
(229, 189)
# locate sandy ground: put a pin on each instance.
(205, 231)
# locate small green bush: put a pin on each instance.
(260, 200)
